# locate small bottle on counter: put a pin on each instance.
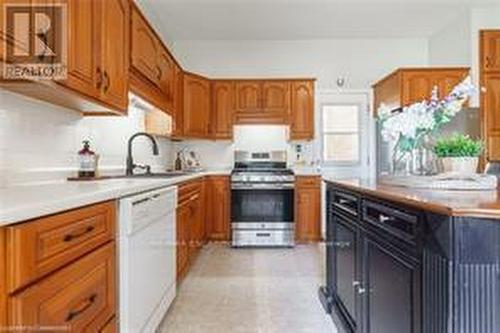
(178, 162)
(87, 161)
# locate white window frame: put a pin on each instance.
(358, 132)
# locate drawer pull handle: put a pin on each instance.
(344, 201)
(384, 219)
(70, 237)
(75, 313)
(342, 245)
(266, 234)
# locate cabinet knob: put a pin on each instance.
(361, 291)
(107, 81)
(488, 62)
(99, 78)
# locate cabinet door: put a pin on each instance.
(248, 96)
(490, 103)
(346, 276)
(222, 109)
(276, 100)
(446, 81)
(490, 50)
(183, 223)
(145, 48)
(196, 106)
(85, 72)
(307, 210)
(392, 289)
(177, 125)
(417, 86)
(166, 76)
(302, 110)
(8, 34)
(115, 40)
(218, 208)
(79, 297)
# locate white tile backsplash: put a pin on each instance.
(39, 141)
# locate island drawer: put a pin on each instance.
(394, 220)
(346, 203)
(41, 246)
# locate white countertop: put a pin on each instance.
(24, 202)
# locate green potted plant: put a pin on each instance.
(459, 153)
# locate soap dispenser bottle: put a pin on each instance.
(87, 161)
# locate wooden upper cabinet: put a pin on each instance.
(177, 125)
(98, 35)
(262, 102)
(490, 50)
(248, 96)
(115, 39)
(223, 105)
(490, 96)
(8, 34)
(85, 71)
(166, 76)
(153, 69)
(490, 104)
(276, 98)
(417, 86)
(410, 85)
(196, 106)
(145, 48)
(302, 110)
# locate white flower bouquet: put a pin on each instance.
(409, 126)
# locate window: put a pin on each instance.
(341, 137)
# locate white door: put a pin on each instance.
(345, 134)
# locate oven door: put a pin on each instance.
(268, 204)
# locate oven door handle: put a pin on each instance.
(262, 186)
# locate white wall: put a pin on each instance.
(220, 154)
(450, 46)
(361, 61)
(39, 141)
(457, 44)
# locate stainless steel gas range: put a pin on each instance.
(262, 199)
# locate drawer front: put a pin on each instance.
(346, 203)
(110, 327)
(80, 297)
(308, 181)
(187, 191)
(400, 223)
(39, 247)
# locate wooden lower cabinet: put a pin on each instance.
(58, 272)
(110, 327)
(190, 224)
(308, 208)
(80, 297)
(218, 208)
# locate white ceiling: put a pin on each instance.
(301, 19)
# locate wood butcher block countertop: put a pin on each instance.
(481, 204)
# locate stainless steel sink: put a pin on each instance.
(168, 174)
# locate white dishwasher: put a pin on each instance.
(147, 259)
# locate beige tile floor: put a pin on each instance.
(251, 290)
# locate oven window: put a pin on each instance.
(262, 205)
